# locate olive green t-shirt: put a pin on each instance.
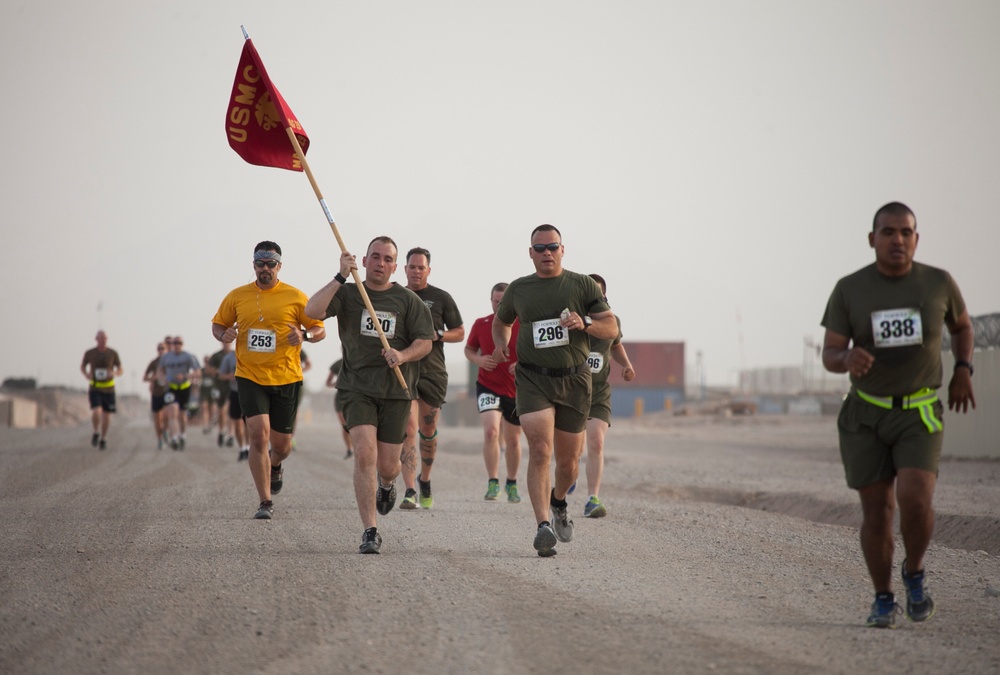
(404, 318)
(599, 359)
(538, 303)
(899, 320)
(444, 314)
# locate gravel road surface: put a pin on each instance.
(730, 546)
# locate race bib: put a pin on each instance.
(488, 402)
(596, 362)
(261, 340)
(549, 333)
(169, 397)
(897, 327)
(387, 320)
(101, 374)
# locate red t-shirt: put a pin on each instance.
(499, 380)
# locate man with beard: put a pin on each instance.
(267, 320)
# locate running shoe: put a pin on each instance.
(230, 442)
(277, 479)
(94, 439)
(561, 523)
(426, 500)
(221, 439)
(884, 611)
(371, 541)
(265, 510)
(102, 444)
(492, 491)
(159, 443)
(512, 496)
(919, 606)
(571, 488)
(348, 454)
(594, 508)
(180, 443)
(409, 500)
(545, 541)
(385, 499)
(175, 444)
(206, 430)
(244, 454)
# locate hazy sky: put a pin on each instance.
(712, 160)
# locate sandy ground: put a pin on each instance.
(730, 546)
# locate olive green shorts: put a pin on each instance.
(875, 442)
(387, 415)
(570, 396)
(432, 388)
(600, 402)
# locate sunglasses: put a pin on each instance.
(271, 264)
(554, 246)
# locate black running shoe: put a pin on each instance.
(102, 444)
(244, 454)
(385, 498)
(545, 541)
(221, 439)
(265, 510)
(94, 439)
(371, 541)
(919, 606)
(277, 479)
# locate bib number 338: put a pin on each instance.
(897, 327)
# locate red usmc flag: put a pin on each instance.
(258, 116)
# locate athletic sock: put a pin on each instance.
(561, 503)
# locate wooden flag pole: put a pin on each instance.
(343, 248)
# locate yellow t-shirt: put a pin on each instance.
(262, 317)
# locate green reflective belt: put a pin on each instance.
(922, 400)
(102, 385)
(179, 387)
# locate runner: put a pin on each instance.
(101, 366)
(559, 310)
(599, 419)
(208, 403)
(884, 327)
(267, 319)
(180, 370)
(495, 399)
(338, 405)
(157, 388)
(236, 425)
(220, 395)
(376, 406)
(432, 387)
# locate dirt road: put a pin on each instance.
(730, 546)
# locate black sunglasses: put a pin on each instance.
(271, 264)
(554, 246)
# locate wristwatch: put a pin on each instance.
(587, 322)
(306, 336)
(340, 278)
(964, 364)
(440, 335)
